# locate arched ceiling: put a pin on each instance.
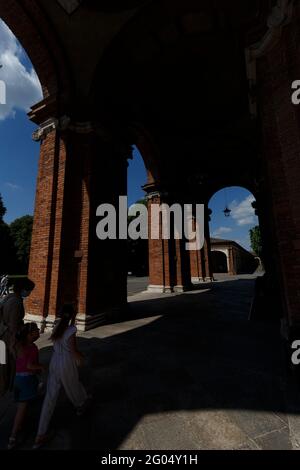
(178, 69)
(174, 67)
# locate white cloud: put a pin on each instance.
(243, 213)
(12, 186)
(221, 230)
(23, 88)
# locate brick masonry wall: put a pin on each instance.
(27, 21)
(159, 256)
(281, 137)
(68, 263)
(40, 266)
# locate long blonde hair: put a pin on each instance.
(66, 317)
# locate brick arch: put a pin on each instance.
(220, 260)
(215, 188)
(149, 153)
(30, 25)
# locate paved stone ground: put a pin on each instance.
(185, 371)
(136, 284)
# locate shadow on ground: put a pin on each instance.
(183, 372)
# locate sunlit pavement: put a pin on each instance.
(184, 371)
(136, 284)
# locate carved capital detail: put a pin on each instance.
(280, 16)
(46, 128)
(62, 124)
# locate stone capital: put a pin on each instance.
(154, 190)
(281, 15)
(45, 128)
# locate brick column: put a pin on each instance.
(53, 265)
(103, 274)
(206, 252)
(161, 255)
(196, 263)
(169, 264)
(47, 192)
(231, 262)
(56, 240)
(68, 263)
(281, 135)
(183, 269)
(200, 261)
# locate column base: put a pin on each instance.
(44, 323)
(197, 280)
(83, 322)
(88, 322)
(159, 289)
(181, 288)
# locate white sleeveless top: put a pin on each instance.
(61, 345)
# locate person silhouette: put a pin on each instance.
(11, 322)
(63, 372)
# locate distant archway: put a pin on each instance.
(219, 261)
(235, 236)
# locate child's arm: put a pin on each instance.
(36, 367)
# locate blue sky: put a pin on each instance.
(242, 216)
(19, 153)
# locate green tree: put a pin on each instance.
(255, 239)
(7, 251)
(21, 231)
(2, 209)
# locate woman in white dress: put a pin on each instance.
(63, 372)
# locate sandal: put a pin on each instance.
(41, 441)
(84, 408)
(12, 443)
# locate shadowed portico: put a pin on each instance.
(183, 371)
(197, 87)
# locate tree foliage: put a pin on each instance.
(255, 239)
(2, 209)
(15, 240)
(21, 231)
(7, 254)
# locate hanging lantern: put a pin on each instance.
(227, 212)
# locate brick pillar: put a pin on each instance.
(200, 261)
(68, 263)
(231, 262)
(183, 269)
(56, 251)
(47, 193)
(196, 263)
(161, 255)
(169, 264)
(58, 199)
(281, 139)
(206, 252)
(103, 278)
